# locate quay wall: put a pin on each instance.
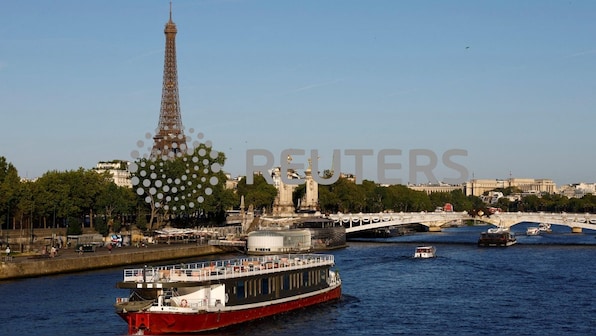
(88, 261)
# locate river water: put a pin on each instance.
(544, 285)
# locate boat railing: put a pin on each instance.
(224, 269)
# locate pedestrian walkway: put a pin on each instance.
(72, 253)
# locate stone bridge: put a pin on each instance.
(577, 222)
(362, 222)
(435, 220)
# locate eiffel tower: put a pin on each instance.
(169, 140)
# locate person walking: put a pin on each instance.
(7, 252)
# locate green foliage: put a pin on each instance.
(347, 197)
(184, 190)
(74, 226)
(9, 191)
(141, 221)
(259, 194)
(116, 226)
(101, 226)
(59, 197)
(457, 198)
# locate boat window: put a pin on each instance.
(240, 293)
(286, 282)
(305, 278)
(265, 285)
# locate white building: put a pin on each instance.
(478, 187)
(578, 190)
(118, 169)
(278, 241)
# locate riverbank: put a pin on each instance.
(69, 260)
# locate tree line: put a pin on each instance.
(82, 198)
(85, 198)
(369, 197)
(546, 202)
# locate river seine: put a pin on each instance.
(544, 285)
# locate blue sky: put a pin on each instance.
(511, 82)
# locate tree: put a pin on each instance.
(112, 202)
(260, 193)
(9, 190)
(183, 188)
(68, 195)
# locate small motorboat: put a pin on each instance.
(532, 231)
(425, 252)
(544, 227)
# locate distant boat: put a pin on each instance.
(425, 252)
(532, 231)
(544, 227)
(497, 237)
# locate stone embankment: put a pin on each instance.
(69, 261)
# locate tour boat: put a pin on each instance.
(497, 237)
(425, 252)
(189, 298)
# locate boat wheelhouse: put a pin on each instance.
(188, 298)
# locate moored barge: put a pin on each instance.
(188, 298)
(497, 237)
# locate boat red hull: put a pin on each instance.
(157, 323)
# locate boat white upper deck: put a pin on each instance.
(149, 277)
